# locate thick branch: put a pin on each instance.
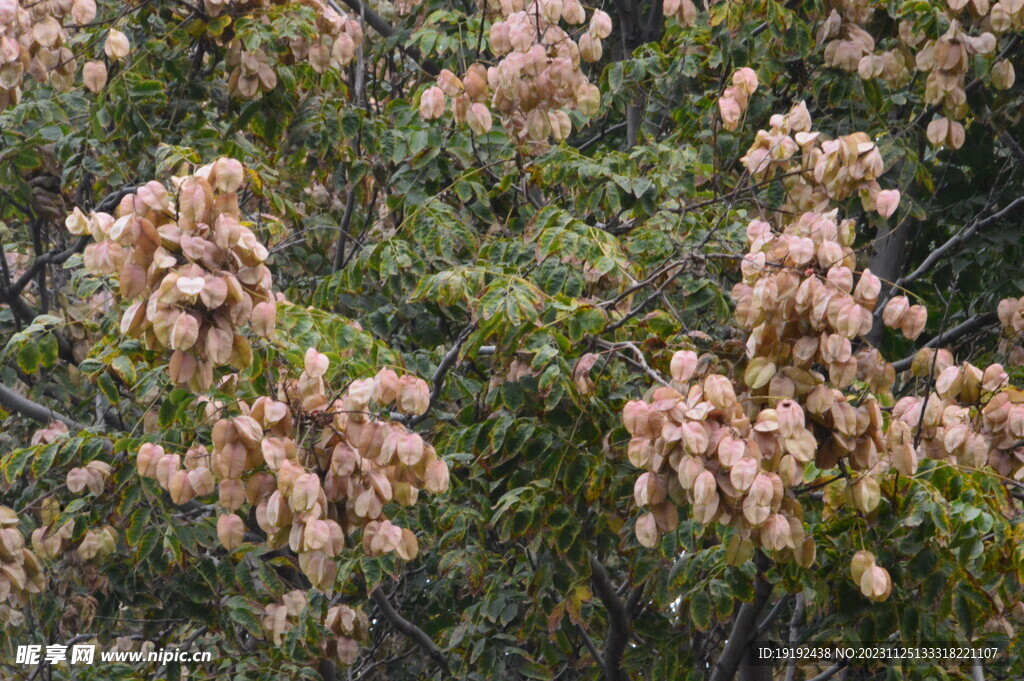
(610, 130)
(960, 237)
(19, 404)
(743, 629)
(975, 323)
(19, 307)
(772, 615)
(59, 257)
(346, 219)
(51, 258)
(618, 621)
(830, 672)
(410, 630)
(794, 632)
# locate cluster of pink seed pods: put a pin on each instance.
(734, 446)
(538, 76)
(194, 271)
(316, 469)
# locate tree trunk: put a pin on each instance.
(888, 259)
(636, 30)
(752, 669)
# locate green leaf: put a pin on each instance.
(109, 388)
(48, 350)
(90, 366)
(28, 357)
(148, 544)
(587, 320)
(44, 459)
(217, 26)
(125, 370)
(532, 670)
(15, 462)
(372, 572)
(615, 75)
(242, 612)
(700, 610)
(137, 526)
(722, 596)
(147, 88)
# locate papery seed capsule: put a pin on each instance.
(116, 45)
(230, 531)
(305, 492)
(180, 487)
(413, 395)
(436, 477)
(385, 386)
(683, 365)
(649, 489)
(478, 117)
(449, 83)
(647, 530)
(875, 583)
(231, 494)
(601, 24)
(432, 102)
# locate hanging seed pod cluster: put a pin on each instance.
(733, 102)
(34, 42)
(348, 626)
(335, 42)
(815, 171)
(970, 30)
(35, 36)
(1011, 317)
(21, 573)
(538, 76)
(194, 271)
(315, 469)
(732, 446)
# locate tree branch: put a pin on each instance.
(743, 628)
(830, 672)
(944, 250)
(414, 633)
(772, 615)
(51, 258)
(618, 621)
(975, 323)
(346, 219)
(640, 362)
(589, 643)
(610, 130)
(19, 404)
(437, 380)
(794, 632)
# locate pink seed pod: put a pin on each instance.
(230, 531)
(683, 365)
(413, 395)
(432, 103)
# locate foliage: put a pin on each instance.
(684, 316)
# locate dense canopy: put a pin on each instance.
(516, 339)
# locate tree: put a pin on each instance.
(511, 340)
